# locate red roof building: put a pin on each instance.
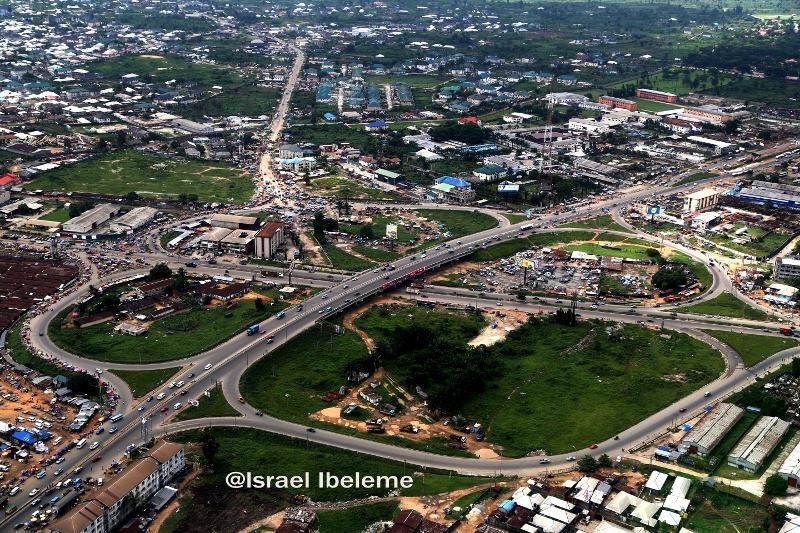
(9, 180)
(469, 120)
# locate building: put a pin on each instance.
(679, 125)
(158, 287)
(9, 180)
(750, 452)
(658, 96)
(190, 126)
(790, 469)
(565, 98)
(766, 193)
(224, 293)
(588, 125)
(700, 200)
(389, 176)
(213, 239)
(297, 164)
(704, 221)
(719, 147)
(133, 219)
(268, 239)
(618, 103)
(290, 151)
(106, 508)
(451, 190)
(708, 114)
(222, 220)
(91, 219)
(5, 196)
(714, 425)
(238, 241)
(787, 267)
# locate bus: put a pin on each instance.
(116, 418)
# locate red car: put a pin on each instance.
(164, 409)
(593, 447)
(96, 458)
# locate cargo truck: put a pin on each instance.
(252, 330)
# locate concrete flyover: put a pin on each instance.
(230, 359)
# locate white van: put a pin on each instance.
(57, 441)
(178, 405)
(94, 445)
(81, 443)
(99, 482)
(14, 490)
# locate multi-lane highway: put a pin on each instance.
(226, 363)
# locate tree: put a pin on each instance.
(319, 227)
(181, 281)
(132, 196)
(210, 447)
(259, 303)
(160, 271)
(367, 231)
(521, 295)
(83, 383)
(110, 302)
(775, 485)
(604, 460)
(669, 278)
(796, 367)
(731, 127)
(587, 463)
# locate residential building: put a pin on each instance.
(565, 98)
(106, 508)
(451, 190)
(268, 239)
(588, 126)
(290, 151)
(700, 200)
(618, 103)
(710, 430)
(658, 96)
(238, 241)
(750, 452)
(297, 164)
(787, 267)
(709, 114)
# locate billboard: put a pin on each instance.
(653, 210)
(391, 231)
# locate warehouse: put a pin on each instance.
(707, 433)
(238, 242)
(213, 238)
(777, 194)
(133, 219)
(222, 220)
(750, 452)
(91, 219)
(719, 147)
(790, 469)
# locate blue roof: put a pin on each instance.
(377, 124)
(24, 437)
(329, 116)
(455, 182)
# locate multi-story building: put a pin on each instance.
(708, 113)
(787, 267)
(658, 96)
(268, 239)
(619, 103)
(700, 200)
(107, 507)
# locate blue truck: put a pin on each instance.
(252, 330)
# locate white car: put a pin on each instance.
(94, 445)
(171, 385)
(180, 384)
(160, 396)
(33, 492)
(208, 366)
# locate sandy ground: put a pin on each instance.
(172, 506)
(501, 323)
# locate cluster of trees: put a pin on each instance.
(77, 208)
(322, 224)
(565, 317)
(453, 131)
(767, 54)
(587, 463)
(160, 271)
(449, 371)
(670, 277)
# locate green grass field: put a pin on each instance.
(376, 254)
(249, 450)
(697, 176)
(378, 225)
(652, 105)
(459, 223)
(725, 513)
(143, 381)
(726, 304)
(601, 222)
(355, 519)
(60, 214)
(341, 187)
(248, 100)
(165, 68)
(149, 175)
(170, 338)
(345, 261)
(763, 243)
(214, 404)
(753, 348)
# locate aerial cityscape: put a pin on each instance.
(400, 267)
